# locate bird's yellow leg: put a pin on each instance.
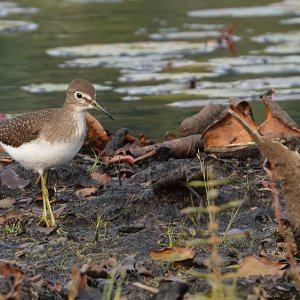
(44, 217)
(46, 203)
(38, 180)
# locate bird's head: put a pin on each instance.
(82, 95)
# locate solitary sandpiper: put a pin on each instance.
(48, 138)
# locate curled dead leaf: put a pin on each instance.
(181, 147)
(173, 254)
(5, 159)
(11, 179)
(7, 202)
(87, 191)
(9, 215)
(101, 177)
(7, 270)
(260, 266)
(44, 230)
(198, 122)
(227, 130)
(96, 136)
(277, 123)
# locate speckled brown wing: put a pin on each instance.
(25, 128)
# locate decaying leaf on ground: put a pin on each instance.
(121, 141)
(173, 254)
(260, 266)
(5, 159)
(101, 270)
(7, 202)
(11, 179)
(100, 177)
(200, 121)
(181, 147)
(87, 191)
(96, 136)
(278, 124)
(16, 283)
(227, 130)
(8, 215)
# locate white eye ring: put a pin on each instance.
(78, 95)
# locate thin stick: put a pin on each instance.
(145, 287)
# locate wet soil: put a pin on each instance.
(138, 211)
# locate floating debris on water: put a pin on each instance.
(284, 48)
(159, 89)
(149, 63)
(273, 10)
(8, 8)
(197, 103)
(246, 60)
(204, 102)
(196, 26)
(59, 87)
(291, 21)
(259, 69)
(250, 88)
(184, 35)
(175, 77)
(274, 37)
(17, 26)
(131, 98)
(135, 49)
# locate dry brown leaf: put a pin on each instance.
(9, 215)
(198, 122)
(79, 285)
(6, 270)
(181, 147)
(98, 270)
(87, 191)
(57, 212)
(101, 177)
(277, 123)
(96, 136)
(173, 254)
(144, 272)
(260, 266)
(227, 130)
(41, 229)
(5, 159)
(10, 178)
(7, 202)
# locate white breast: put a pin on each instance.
(41, 155)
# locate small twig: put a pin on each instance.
(145, 287)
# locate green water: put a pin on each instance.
(23, 58)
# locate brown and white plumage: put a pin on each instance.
(48, 138)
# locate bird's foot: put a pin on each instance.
(47, 220)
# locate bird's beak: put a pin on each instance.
(97, 106)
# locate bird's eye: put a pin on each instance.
(78, 95)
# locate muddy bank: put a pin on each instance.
(134, 215)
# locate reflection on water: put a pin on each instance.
(148, 51)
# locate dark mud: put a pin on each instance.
(138, 211)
